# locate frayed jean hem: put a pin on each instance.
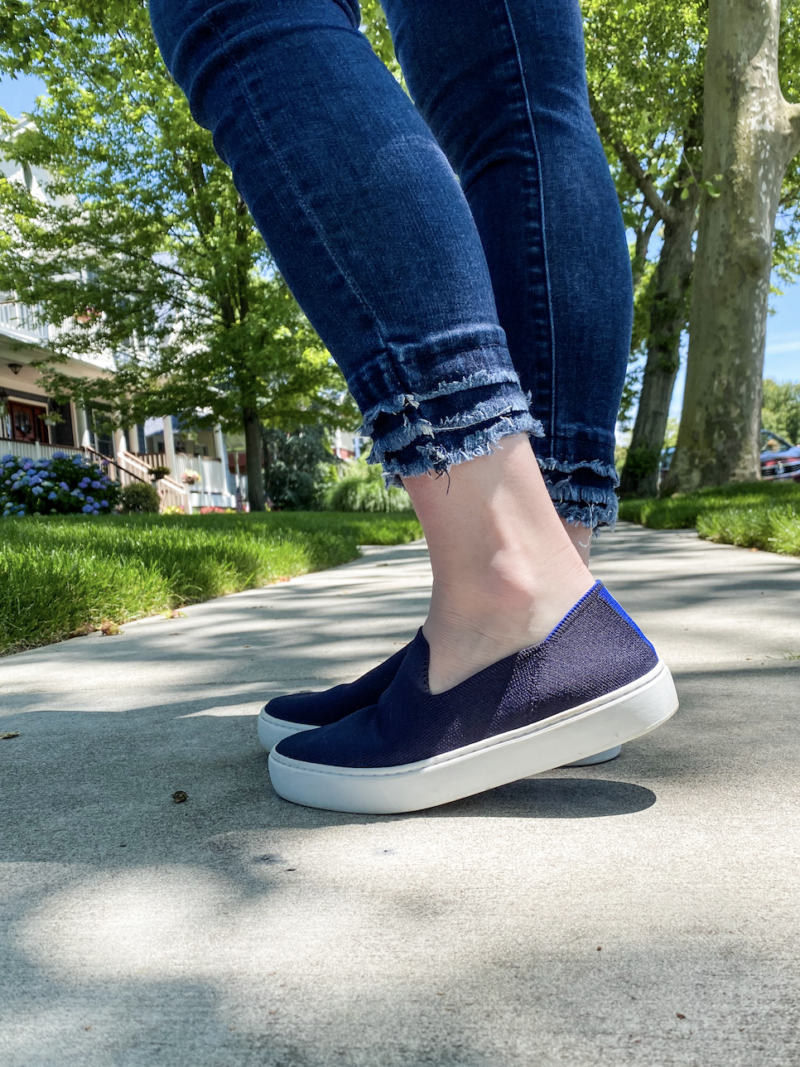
(594, 506)
(417, 433)
(437, 456)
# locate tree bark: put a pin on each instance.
(254, 446)
(668, 314)
(751, 134)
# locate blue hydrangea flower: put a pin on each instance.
(59, 455)
(37, 490)
(87, 509)
(52, 496)
(96, 485)
(103, 503)
(63, 485)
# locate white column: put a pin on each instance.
(222, 456)
(169, 447)
(120, 442)
(84, 438)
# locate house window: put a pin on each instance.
(27, 422)
(63, 433)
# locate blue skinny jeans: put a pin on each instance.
(463, 257)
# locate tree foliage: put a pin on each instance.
(143, 246)
(780, 410)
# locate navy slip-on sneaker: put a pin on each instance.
(593, 683)
(296, 712)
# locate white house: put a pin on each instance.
(32, 424)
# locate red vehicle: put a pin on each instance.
(779, 459)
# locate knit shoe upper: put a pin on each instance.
(595, 650)
(331, 705)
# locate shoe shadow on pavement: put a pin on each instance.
(97, 787)
(554, 798)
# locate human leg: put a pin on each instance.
(502, 85)
(429, 368)
(363, 215)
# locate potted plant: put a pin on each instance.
(191, 477)
(160, 472)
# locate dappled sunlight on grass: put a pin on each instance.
(59, 575)
(762, 515)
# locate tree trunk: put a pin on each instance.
(254, 445)
(751, 134)
(667, 322)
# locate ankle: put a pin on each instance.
(470, 627)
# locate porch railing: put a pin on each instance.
(171, 492)
(213, 476)
(18, 319)
(33, 449)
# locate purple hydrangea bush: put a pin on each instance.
(61, 484)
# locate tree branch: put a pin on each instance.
(645, 183)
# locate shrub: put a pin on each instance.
(362, 489)
(297, 467)
(140, 497)
(58, 485)
(640, 463)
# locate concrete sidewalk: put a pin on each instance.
(644, 912)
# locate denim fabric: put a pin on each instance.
(465, 260)
(595, 650)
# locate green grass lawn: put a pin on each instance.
(61, 574)
(752, 514)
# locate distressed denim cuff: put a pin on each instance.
(583, 492)
(417, 429)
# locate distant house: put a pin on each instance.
(32, 424)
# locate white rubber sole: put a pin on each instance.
(572, 735)
(598, 757)
(271, 731)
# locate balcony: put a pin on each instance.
(17, 322)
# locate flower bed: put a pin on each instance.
(57, 485)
